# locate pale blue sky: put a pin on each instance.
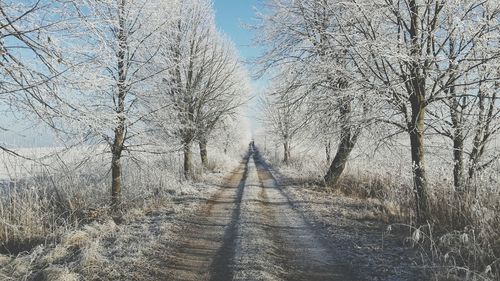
(231, 17)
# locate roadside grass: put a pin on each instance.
(463, 240)
(55, 224)
(43, 207)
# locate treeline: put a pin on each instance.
(420, 68)
(136, 75)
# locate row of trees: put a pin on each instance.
(423, 67)
(133, 74)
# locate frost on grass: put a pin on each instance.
(355, 227)
(106, 250)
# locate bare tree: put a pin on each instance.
(223, 90)
(31, 59)
(402, 56)
(108, 95)
(206, 80)
(189, 51)
(284, 116)
(470, 95)
(299, 32)
(398, 49)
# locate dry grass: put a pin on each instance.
(104, 250)
(54, 224)
(43, 208)
(459, 244)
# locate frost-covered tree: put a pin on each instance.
(284, 116)
(30, 55)
(298, 33)
(114, 47)
(412, 57)
(206, 81)
(394, 61)
(224, 88)
(468, 114)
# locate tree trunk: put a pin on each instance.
(458, 142)
(474, 155)
(416, 132)
(328, 150)
(458, 165)
(348, 139)
(346, 145)
(226, 144)
(119, 138)
(286, 152)
(460, 195)
(415, 86)
(204, 153)
(116, 169)
(480, 135)
(188, 163)
(289, 153)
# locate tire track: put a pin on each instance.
(223, 264)
(206, 241)
(255, 255)
(299, 246)
(250, 231)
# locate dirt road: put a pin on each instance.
(252, 230)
